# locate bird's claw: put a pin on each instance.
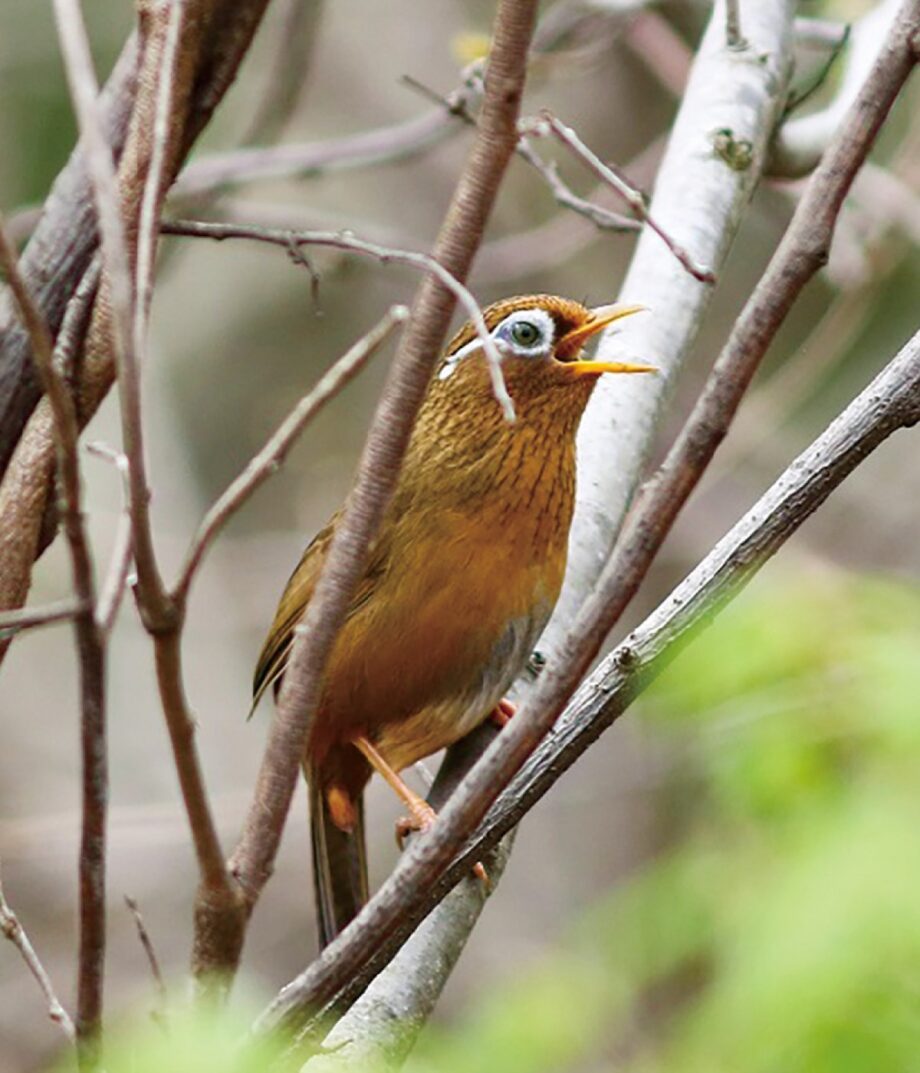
(421, 818)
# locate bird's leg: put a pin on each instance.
(501, 714)
(421, 814)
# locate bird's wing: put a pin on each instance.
(297, 594)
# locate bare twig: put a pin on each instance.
(798, 257)
(116, 581)
(495, 139)
(548, 123)
(13, 930)
(28, 618)
(800, 141)
(147, 943)
(273, 454)
(603, 218)
(343, 240)
(379, 146)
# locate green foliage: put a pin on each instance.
(187, 1040)
(781, 931)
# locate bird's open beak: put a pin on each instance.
(573, 341)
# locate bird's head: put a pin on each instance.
(541, 340)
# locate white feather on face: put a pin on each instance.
(526, 333)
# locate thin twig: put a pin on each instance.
(147, 944)
(379, 146)
(344, 240)
(13, 930)
(116, 581)
(797, 259)
(457, 105)
(603, 218)
(801, 140)
(28, 618)
(548, 123)
(276, 450)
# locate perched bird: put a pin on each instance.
(460, 580)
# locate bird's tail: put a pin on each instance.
(339, 866)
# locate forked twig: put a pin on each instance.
(343, 240)
(608, 173)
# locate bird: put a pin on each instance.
(459, 581)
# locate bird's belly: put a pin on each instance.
(440, 724)
(424, 663)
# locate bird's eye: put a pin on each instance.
(525, 333)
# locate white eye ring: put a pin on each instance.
(504, 335)
(528, 333)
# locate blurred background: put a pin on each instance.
(238, 337)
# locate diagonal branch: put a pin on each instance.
(273, 454)
(11, 929)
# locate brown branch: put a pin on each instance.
(91, 655)
(13, 930)
(57, 256)
(343, 240)
(273, 454)
(609, 174)
(405, 895)
(457, 243)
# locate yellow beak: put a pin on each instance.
(600, 318)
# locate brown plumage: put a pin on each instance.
(460, 581)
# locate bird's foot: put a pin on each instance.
(501, 714)
(421, 817)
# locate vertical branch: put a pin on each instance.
(91, 652)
